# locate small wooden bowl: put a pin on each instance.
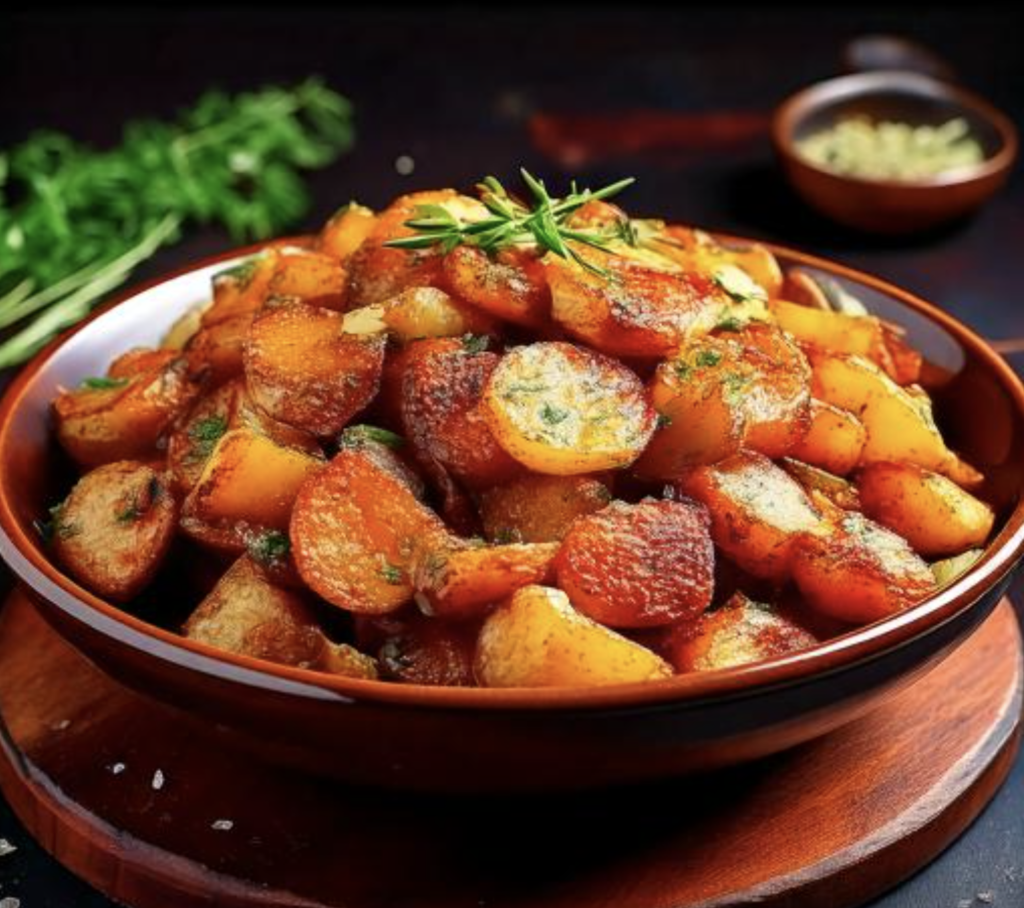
(470, 739)
(893, 206)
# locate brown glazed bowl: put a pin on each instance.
(891, 206)
(461, 739)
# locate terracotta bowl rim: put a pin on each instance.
(798, 106)
(27, 558)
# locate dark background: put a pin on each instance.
(455, 89)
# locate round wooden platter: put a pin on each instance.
(127, 795)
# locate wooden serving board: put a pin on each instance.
(127, 795)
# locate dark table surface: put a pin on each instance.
(457, 90)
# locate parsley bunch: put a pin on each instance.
(75, 222)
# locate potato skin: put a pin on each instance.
(353, 531)
(346, 230)
(511, 286)
(931, 512)
(643, 565)
(421, 650)
(834, 440)
(113, 530)
(128, 422)
(840, 492)
(196, 434)
(758, 512)
(537, 639)
(442, 386)
(216, 351)
(563, 410)
(458, 581)
(860, 572)
(739, 632)
(536, 508)
(302, 369)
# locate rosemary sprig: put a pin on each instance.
(510, 222)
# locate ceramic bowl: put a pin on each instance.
(459, 739)
(891, 206)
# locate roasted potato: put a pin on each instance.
(834, 440)
(747, 389)
(536, 508)
(248, 482)
(416, 649)
(537, 639)
(639, 565)
(345, 232)
(860, 572)
(353, 531)
(303, 370)
(511, 286)
(127, 414)
(837, 332)
(739, 632)
(949, 569)
(931, 512)
(114, 529)
(695, 251)
(758, 512)
(315, 278)
(216, 351)
(841, 492)
(561, 409)
(442, 386)
(458, 580)
(196, 433)
(423, 312)
(247, 614)
(241, 289)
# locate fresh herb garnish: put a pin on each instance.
(102, 383)
(475, 343)
(510, 222)
(507, 536)
(553, 415)
(391, 573)
(56, 525)
(737, 284)
(240, 274)
(269, 548)
(707, 359)
(204, 435)
(731, 323)
(140, 502)
(75, 222)
(356, 436)
(664, 420)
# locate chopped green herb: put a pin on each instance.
(204, 435)
(553, 415)
(269, 548)
(730, 324)
(475, 343)
(102, 383)
(391, 573)
(706, 359)
(240, 274)
(56, 525)
(664, 420)
(507, 536)
(738, 284)
(356, 436)
(140, 502)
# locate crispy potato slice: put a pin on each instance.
(841, 492)
(739, 632)
(459, 580)
(216, 351)
(697, 251)
(423, 312)
(638, 308)
(837, 332)
(247, 614)
(860, 572)
(442, 387)
(639, 565)
(415, 649)
(248, 482)
(241, 289)
(931, 512)
(127, 415)
(564, 410)
(345, 232)
(196, 434)
(758, 512)
(353, 531)
(747, 389)
(898, 421)
(511, 286)
(114, 529)
(834, 440)
(536, 508)
(316, 278)
(537, 639)
(302, 369)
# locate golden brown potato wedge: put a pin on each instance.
(442, 387)
(424, 312)
(241, 289)
(216, 351)
(458, 580)
(536, 508)
(248, 482)
(303, 370)
(114, 529)
(247, 614)
(837, 332)
(353, 531)
(758, 512)
(696, 251)
(315, 278)
(196, 434)
(949, 569)
(906, 362)
(834, 440)
(639, 565)
(345, 232)
(931, 512)
(841, 492)
(563, 410)
(860, 572)
(739, 632)
(537, 639)
(128, 414)
(511, 286)
(415, 649)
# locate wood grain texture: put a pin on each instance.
(830, 823)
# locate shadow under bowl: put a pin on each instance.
(893, 207)
(467, 739)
